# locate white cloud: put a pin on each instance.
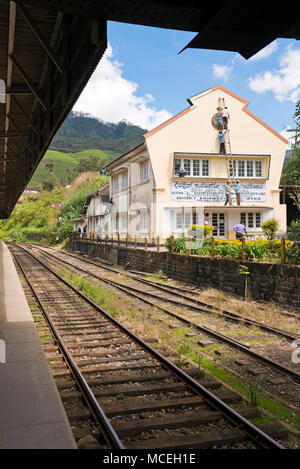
(265, 52)
(111, 97)
(222, 71)
(284, 82)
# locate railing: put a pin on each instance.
(156, 242)
(117, 240)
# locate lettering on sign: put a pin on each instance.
(185, 191)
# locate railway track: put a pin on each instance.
(82, 423)
(164, 298)
(138, 397)
(189, 301)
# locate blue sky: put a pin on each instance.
(143, 79)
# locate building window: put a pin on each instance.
(179, 221)
(144, 171)
(258, 220)
(144, 221)
(246, 169)
(115, 223)
(197, 218)
(250, 169)
(232, 171)
(177, 164)
(125, 180)
(258, 169)
(243, 219)
(241, 169)
(183, 220)
(187, 166)
(124, 223)
(251, 220)
(194, 167)
(205, 167)
(116, 183)
(218, 222)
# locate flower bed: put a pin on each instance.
(259, 250)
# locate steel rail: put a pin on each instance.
(232, 342)
(224, 313)
(99, 415)
(206, 307)
(244, 425)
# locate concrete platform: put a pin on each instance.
(31, 413)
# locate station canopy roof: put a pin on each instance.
(49, 49)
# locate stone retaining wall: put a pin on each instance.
(277, 282)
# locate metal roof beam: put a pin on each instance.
(9, 135)
(27, 80)
(11, 44)
(24, 113)
(36, 31)
(19, 132)
(18, 90)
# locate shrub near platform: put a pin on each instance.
(258, 250)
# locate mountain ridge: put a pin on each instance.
(80, 131)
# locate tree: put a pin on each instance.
(291, 170)
(91, 163)
(48, 185)
(270, 227)
(49, 167)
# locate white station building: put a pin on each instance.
(149, 197)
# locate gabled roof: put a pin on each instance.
(103, 192)
(132, 150)
(210, 90)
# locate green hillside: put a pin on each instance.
(104, 155)
(59, 168)
(59, 156)
(84, 143)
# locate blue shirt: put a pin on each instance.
(221, 137)
(238, 188)
(239, 228)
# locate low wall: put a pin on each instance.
(277, 282)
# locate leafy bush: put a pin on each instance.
(228, 250)
(17, 236)
(32, 215)
(36, 216)
(293, 253)
(270, 227)
(200, 231)
(179, 244)
(73, 206)
(293, 231)
(257, 250)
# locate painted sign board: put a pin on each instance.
(185, 191)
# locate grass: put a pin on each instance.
(254, 393)
(268, 313)
(121, 309)
(45, 338)
(180, 360)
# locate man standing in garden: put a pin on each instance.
(239, 229)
